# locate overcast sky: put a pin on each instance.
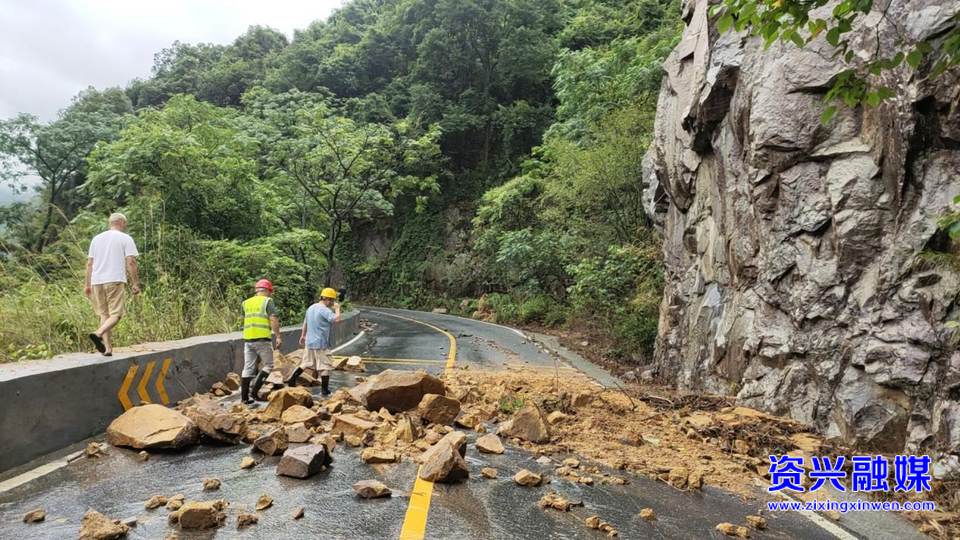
(52, 49)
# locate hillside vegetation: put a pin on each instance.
(478, 155)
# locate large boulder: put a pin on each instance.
(152, 426)
(790, 246)
(397, 391)
(445, 464)
(96, 526)
(216, 423)
(528, 424)
(303, 461)
(438, 409)
(285, 398)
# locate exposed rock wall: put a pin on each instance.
(790, 247)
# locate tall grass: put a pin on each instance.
(43, 310)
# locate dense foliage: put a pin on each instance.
(483, 155)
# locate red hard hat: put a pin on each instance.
(264, 284)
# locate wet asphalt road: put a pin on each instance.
(119, 484)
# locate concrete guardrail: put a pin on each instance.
(47, 405)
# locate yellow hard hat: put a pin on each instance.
(329, 293)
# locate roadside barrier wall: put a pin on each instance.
(47, 405)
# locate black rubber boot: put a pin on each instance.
(325, 385)
(292, 381)
(261, 377)
(245, 390)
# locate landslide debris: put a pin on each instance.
(152, 426)
(96, 526)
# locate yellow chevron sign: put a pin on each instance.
(142, 391)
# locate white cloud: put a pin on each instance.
(52, 49)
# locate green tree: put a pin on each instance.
(188, 164)
(56, 152)
(352, 170)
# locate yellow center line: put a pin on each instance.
(415, 521)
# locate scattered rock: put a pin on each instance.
(573, 463)
(156, 502)
(445, 464)
(143, 455)
(211, 484)
(407, 430)
(348, 424)
(379, 455)
(527, 479)
(678, 477)
(199, 515)
(469, 420)
(245, 520)
(438, 409)
(454, 439)
(489, 444)
(397, 391)
(544, 460)
(528, 424)
(647, 515)
(297, 513)
(298, 414)
(273, 443)
(35, 516)
(582, 399)
(263, 503)
(175, 502)
(730, 529)
(556, 417)
(285, 398)
(130, 521)
(152, 426)
(232, 382)
(354, 364)
(592, 522)
(555, 501)
(302, 461)
(488, 472)
(371, 489)
(247, 463)
(585, 480)
(93, 450)
(297, 433)
(757, 522)
(432, 437)
(96, 526)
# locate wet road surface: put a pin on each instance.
(119, 484)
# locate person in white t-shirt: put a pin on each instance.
(112, 254)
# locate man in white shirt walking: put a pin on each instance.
(112, 254)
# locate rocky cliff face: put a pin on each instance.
(790, 247)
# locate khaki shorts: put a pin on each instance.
(108, 299)
(318, 359)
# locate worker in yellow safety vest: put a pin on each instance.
(259, 320)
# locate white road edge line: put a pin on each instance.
(60, 463)
(351, 342)
(824, 523)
